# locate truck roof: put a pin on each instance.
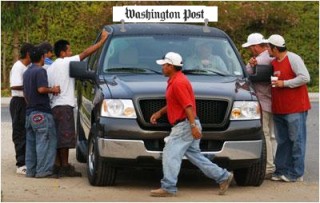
(165, 29)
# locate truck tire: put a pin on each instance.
(79, 156)
(100, 173)
(254, 175)
(81, 142)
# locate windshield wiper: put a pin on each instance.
(131, 70)
(202, 71)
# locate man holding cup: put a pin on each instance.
(290, 105)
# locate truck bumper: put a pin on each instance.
(133, 149)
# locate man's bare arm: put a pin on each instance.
(95, 47)
(48, 90)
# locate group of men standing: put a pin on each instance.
(285, 105)
(42, 108)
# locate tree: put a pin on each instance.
(79, 23)
(15, 19)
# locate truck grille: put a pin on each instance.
(212, 113)
(205, 145)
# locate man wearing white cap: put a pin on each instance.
(185, 135)
(258, 47)
(290, 105)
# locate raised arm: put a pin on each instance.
(95, 47)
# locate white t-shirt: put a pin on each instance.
(16, 78)
(58, 74)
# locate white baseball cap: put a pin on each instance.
(171, 58)
(277, 40)
(254, 39)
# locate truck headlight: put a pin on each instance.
(245, 110)
(118, 108)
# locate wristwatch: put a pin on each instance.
(193, 125)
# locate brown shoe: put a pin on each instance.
(49, 176)
(225, 184)
(69, 171)
(268, 176)
(161, 193)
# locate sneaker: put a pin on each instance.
(285, 179)
(161, 193)
(275, 177)
(22, 170)
(225, 184)
(300, 179)
(69, 171)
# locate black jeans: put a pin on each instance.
(18, 116)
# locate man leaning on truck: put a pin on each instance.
(62, 105)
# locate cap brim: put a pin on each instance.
(161, 62)
(164, 61)
(245, 45)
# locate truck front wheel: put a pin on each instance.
(254, 175)
(100, 173)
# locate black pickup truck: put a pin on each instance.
(120, 86)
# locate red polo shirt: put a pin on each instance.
(179, 96)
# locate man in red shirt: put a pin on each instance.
(290, 105)
(185, 135)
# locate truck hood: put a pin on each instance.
(153, 85)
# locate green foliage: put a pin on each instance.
(79, 23)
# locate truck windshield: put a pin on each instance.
(201, 55)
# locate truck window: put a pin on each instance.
(198, 53)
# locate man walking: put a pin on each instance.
(258, 47)
(41, 132)
(290, 105)
(18, 107)
(185, 135)
(62, 105)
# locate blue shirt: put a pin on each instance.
(33, 78)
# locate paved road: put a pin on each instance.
(134, 185)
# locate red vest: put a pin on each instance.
(287, 100)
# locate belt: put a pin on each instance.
(181, 120)
(17, 97)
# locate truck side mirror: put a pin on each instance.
(78, 70)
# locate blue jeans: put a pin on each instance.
(291, 133)
(181, 143)
(41, 144)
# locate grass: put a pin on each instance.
(5, 93)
